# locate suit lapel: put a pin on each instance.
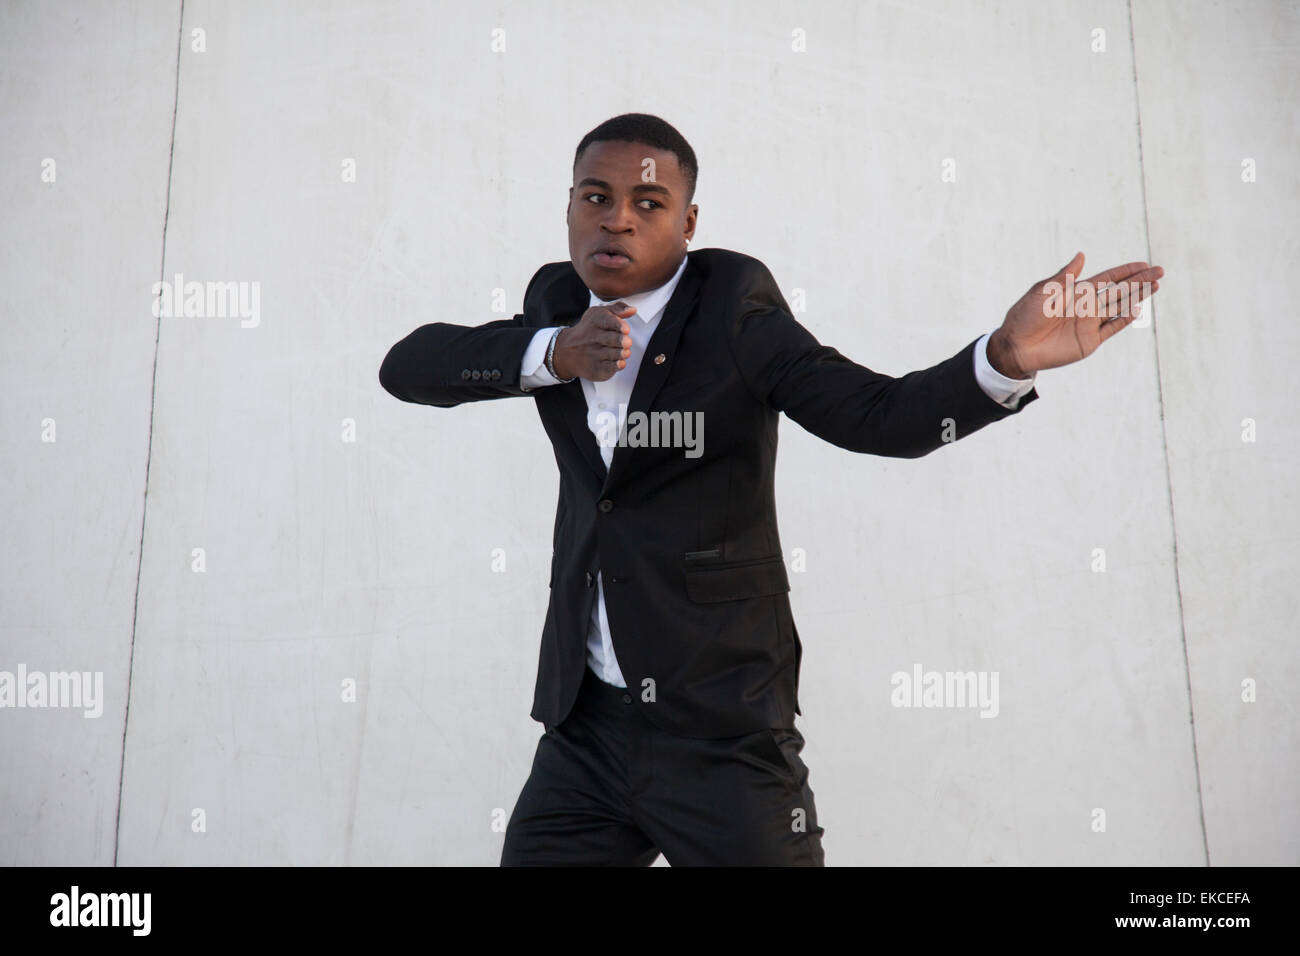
(651, 375)
(571, 300)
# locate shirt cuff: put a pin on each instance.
(1005, 391)
(532, 372)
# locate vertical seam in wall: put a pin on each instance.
(153, 392)
(1164, 440)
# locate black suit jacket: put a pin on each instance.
(695, 583)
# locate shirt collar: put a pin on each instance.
(647, 304)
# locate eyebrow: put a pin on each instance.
(638, 188)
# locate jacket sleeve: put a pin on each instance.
(843, 402)
(446, 365)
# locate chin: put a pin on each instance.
(607, 289)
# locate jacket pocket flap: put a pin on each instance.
(750, 579)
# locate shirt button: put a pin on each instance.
(627, 698)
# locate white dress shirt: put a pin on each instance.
(604, 400)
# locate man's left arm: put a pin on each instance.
(1004, 390)
(847, 404)
(865, 411)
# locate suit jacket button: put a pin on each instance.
(606, 505)
(476, 375)
(627, 698)
(588, 579)
(496, 374)
(464, 374)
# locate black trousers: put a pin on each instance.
(609, 788)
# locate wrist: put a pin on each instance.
(999, 356)
(555, 363)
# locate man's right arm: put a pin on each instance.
(446, 365)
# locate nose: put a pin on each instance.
(618, 219)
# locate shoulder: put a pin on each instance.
(552, 273)
(736, 278)
(727, 264)
(554, 285)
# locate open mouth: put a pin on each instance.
(611, 259)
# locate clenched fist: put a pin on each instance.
(597, 346)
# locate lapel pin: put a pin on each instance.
(659, 359)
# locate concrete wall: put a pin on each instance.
(229, 519)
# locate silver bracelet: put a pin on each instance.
(550, 356)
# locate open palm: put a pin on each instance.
(1062, 320)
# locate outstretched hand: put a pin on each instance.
(1063, 319)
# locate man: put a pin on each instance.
(668, 675)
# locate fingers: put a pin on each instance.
(1123, 295)
(1111, 326)
(608, 367)
(1114, 290)
(610, 333)
(606, 320)
(615, 346)
(1118, 273)
(1073, 268)
(1120, 301)
(608, 344)
(1130, 271)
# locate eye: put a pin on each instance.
(601, 196)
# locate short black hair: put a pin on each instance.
(652, 131)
